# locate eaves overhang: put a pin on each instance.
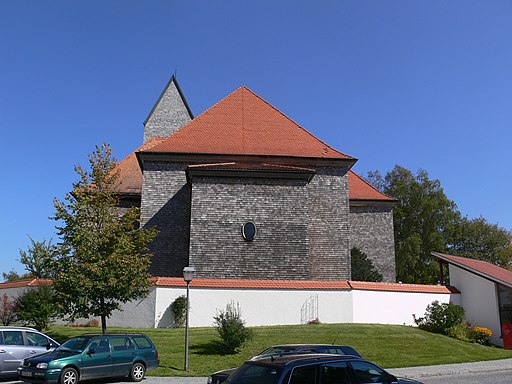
(204, 158)
(492, 278)
(372, 203)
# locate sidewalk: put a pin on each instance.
(452, 369)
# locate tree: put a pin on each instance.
(479, 239)
(105, 256)
(40, 259)
(362, 267)
(37, 306)
(7, 310)
(424, 221)
(12, 275)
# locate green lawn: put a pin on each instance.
(390, 346)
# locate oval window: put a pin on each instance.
(249, 231)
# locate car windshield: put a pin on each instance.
(76, 344)
(254, 374)
(277, 351)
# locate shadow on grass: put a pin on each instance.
(213, 347)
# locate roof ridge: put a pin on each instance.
(293, 121)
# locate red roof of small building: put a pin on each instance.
(478, 267)
(243, 123)
(360, 189)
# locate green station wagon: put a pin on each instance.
(93, 356)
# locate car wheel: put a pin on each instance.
(68, 376)
(138, 371)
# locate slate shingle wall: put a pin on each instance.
(220, 206)
(166, 205)
(328, 225)
(371, 230)
(304, 229)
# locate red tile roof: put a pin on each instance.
(252, 284)
(25, 283)
(243, 123)
(302, 284)
(398, 287)
(360, 189)
(130, 175)
(478, 267)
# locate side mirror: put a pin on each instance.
(48, 346)
(91, 351)
(392, 379)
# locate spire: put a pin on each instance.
(169, 113)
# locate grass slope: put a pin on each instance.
(390, 346)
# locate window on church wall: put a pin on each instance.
(249, 231)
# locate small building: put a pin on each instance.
(486, 292)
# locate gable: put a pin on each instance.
(244, 124)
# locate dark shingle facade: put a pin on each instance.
(243, 161)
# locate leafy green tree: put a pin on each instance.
(362, 267)
(37, 307)
(424, 221)
(12, 276)
(105, 256)
(40, 258)
(479, 239)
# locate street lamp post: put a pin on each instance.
(188, 275)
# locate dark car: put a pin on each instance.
(312, 369)
(93, 356)
(280, 350)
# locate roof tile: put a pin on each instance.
(243, 123)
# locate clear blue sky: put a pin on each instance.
(424, 84)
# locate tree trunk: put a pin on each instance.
(103, 317)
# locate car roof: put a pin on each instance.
(111, 334)
(283, 360)
(9, 328)
(306, 345)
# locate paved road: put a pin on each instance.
(495, 371)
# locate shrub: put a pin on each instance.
(37, 307)
(480, 335)
(231, 328)
(179, 311)
(460, 332)
(440, 318)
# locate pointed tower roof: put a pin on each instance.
(244, 124)
(170, 112)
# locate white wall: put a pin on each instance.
(276, 307)
(479, 300)
(136, 314)
(259, 307)
(384, 307)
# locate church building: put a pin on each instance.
(241, 191)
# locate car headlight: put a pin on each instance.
(42, 365)
(209, 380)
